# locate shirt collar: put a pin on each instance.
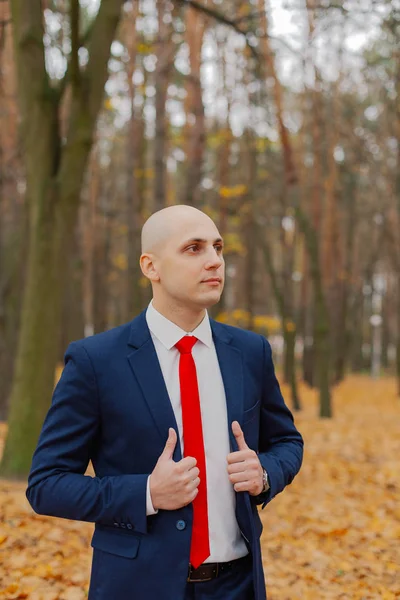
(169, 334)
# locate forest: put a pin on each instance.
(278, 118)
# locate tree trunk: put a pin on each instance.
(89, 233)
(101, 261)
(249, 232)
(37, 350)
(13, 222)
(397, 188)
(165, 52)
(12, 269)
(288, 245)
(195, 135)
(54, 179)
(288, 326)
(321, 329)
(135, 168)
(398, 341)
(310, 233)
(290, 362)
(386, 332)
(72, 316)
(343, 340)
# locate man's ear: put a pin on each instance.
(148, 267)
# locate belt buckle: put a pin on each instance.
(200, 580)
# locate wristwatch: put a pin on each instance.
(265, 482)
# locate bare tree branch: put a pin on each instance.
(253, 15)
(221, 18)
(67, 76)
(374, 4)
(85, 107)
(100, 41)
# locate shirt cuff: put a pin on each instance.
(150, 510)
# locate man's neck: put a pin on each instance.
(185, 318)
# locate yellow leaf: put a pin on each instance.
(233, 244)
(143, 48)
(233, 191)
(108, 105)
(121, 262)
(262, 144)
(290, 326)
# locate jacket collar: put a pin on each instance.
(146, 368)
(140, 333)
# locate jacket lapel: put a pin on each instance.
(231, 366)
(146, 368)
(147, 371)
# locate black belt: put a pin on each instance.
(208, 571)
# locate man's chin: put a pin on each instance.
(211, 299)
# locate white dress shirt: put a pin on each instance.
(226, 541)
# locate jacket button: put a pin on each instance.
(180, 525)
(123, 525)
(116, 524)
(129, 526)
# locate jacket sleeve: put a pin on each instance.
(280, 444)
(57, 485)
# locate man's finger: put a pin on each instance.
(238, 433)
(170, 444)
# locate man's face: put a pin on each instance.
(190, 265)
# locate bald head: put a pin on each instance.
(165, 223)
(182, 257)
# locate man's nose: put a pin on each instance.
(214, 259)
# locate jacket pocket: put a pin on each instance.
(114, 542)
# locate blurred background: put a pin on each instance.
(281, 120)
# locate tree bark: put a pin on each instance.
(288, 326)
(289, 187)
(322, 341)
(397, 180)
(195, 135)
(165, 52)
(135, 168)
(309, 233)
(343, 342)
(54, 175)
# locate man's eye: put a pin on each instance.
(195, 247)
(219, 248)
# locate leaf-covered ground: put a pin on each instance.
(333, 534)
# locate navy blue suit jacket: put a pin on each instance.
(111, 406)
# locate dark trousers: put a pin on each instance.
(236, 584)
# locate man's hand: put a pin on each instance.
(173, 484)
(244, 468)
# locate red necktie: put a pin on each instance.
(194, 446)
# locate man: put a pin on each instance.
(184, 422)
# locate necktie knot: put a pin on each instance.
(186, 344)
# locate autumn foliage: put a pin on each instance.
(333, 534)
